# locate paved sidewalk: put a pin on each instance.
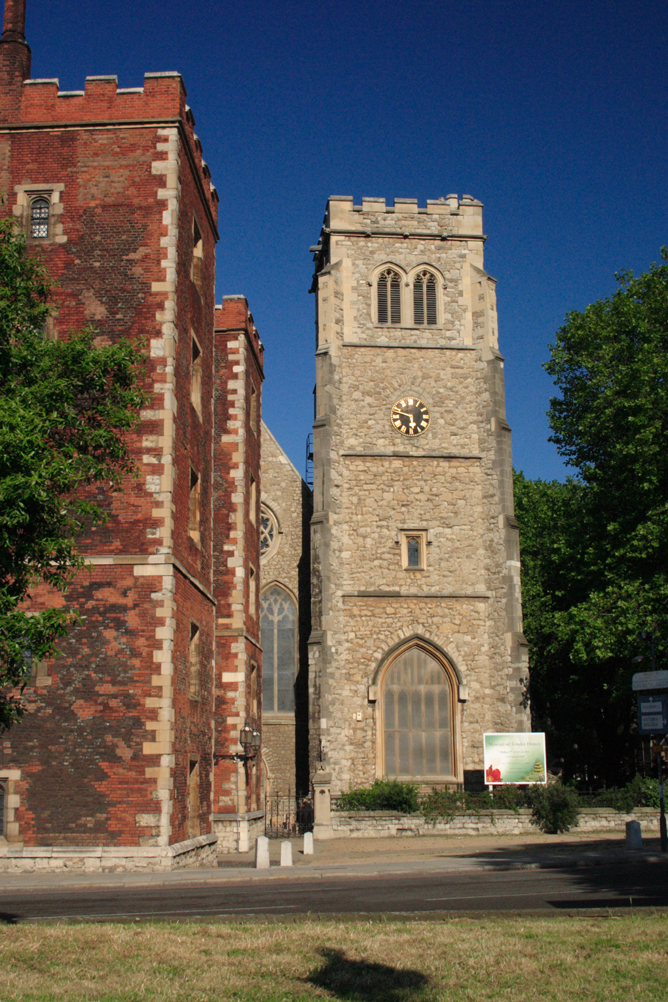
(356, 857)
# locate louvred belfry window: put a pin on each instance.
(39, 218)
(424, 300)
(389, 298)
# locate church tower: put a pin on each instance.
(417, 646)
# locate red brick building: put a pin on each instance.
(237, 811)
(130, 755)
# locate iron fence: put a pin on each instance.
(287, 816)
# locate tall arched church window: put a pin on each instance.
(39, 218)
(424, 300)
(418, 713)
(388, 290)
(278, 626)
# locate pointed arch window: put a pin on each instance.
(388, 289)
(278, 630)
(424, 300)
(418, 717)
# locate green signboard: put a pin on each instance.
(514, 758)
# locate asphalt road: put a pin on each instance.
(638, 885)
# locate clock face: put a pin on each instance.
(410, 416)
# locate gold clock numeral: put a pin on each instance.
(410, 416)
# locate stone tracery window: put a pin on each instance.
(268, 532)
(418, 714)
(388, 291)
(424, 300)
(278, 631)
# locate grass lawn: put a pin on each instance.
(615, 959)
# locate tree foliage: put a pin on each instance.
(65, 408)
(594, 549)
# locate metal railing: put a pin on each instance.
(287, 816)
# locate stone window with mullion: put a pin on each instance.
(388, 298)
(425, 309)
(278, 631)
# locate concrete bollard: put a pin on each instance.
(308, 843)
(286, 854)
(262, 853)
(633, 835)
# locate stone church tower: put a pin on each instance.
(416, 646)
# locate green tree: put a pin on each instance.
(65, 408)
(594, 549)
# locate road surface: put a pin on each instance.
(620, 885)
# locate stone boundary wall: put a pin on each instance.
(198, 851)
(238, 832)
(387, 824)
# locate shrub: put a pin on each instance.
(554, 808)
(639, 792)
(383, 795)
(650, 793)
(509, 798)
(447, 803)
(442, 804)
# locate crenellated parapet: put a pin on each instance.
(161, 101)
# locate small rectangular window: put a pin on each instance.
(252, 500)
(252, 588)
(194, 508)
(196, 375)
(39, 674)
(193, 797)
(253, 689)
(194, 663)
(196, 271)
(254, 401)
(413, 549)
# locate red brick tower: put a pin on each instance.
(238, 812)
(117, 752)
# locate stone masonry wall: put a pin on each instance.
(286, 563)
(370, 483)
(387, 824)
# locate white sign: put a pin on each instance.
(515, 758)
(649, 680)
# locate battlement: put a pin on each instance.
(234, 314)
(455, 214)
(162, 99)
(162, 96)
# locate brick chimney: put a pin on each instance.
(14, 58)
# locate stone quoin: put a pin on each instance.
(361, 624)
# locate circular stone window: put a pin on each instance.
(268, 532)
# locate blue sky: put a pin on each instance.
(554, 115)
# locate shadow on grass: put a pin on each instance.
(364, 981)
(8, 918)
